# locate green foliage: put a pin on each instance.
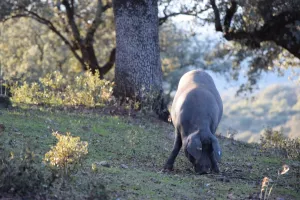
(276, 141)
(29, 51)
(30, 47)
(23, 174)
(58, 89)
(67, 154)
(28, 94)
(272, 138)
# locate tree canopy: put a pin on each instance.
(261, 35)
(75, 23)
(265, 34)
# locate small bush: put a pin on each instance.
(4, 102)
(276, 141)
(23, 174)
(56, 89)
(67, 154)
(88, 186)
(231, 133)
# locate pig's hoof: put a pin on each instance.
(167, 168)
(216, 171)
(202, 173)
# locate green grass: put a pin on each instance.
(143, 144)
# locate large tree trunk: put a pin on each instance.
(138, 73)
(137, 60)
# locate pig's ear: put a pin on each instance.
(194, 147)
(216, 147)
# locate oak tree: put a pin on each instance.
(138, 73)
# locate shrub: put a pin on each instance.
(23, 174)
(88, 186)
(231, 133)
(56, 89)
(4, 102)
(67, 154)
(276, 141)
(28, 94)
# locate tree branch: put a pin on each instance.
(96, 22)
(275, 29)
(189, 13)
(50, 25)
(71, 20)
(107, 6)
(105, 68)
(218, 25)
(88, 58)
(270, 28)
(229, 15)
(72, 7)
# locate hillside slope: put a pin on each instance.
(136, 148)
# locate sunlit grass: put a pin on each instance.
(142, 144)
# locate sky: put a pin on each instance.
(267, 79)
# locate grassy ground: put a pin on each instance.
(136, 148)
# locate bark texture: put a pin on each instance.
(138, 68)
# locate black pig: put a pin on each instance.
(196, 112)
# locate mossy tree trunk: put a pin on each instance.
(138, 73)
